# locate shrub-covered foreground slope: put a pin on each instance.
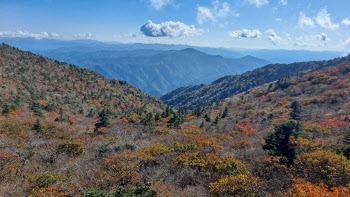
(127, 149)
(231, 85)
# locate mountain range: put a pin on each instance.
(158, 72)
(202, 95)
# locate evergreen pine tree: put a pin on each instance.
(37, 126)
(103, 120)
(296, 110)
(6, 109)
(278, 142)
(225, 113)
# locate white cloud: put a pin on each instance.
(26, 34)
(159, 4)
(284, 2)
(84, 35)
(305, 21)
(346, 22)
(278, 19)
(167, 29)
(324, 20)
(273, 36)
(347, 46)
(218, 10)
(322, 37)
(245, 33)
(258, 3)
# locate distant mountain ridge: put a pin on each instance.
(272, 55)
(191, 97)
(157, 72)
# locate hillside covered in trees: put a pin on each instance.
(190, 97)
(66, 131)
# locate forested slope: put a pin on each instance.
(230, 85)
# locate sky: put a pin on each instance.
(321, 25)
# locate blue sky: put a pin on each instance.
(262, 24)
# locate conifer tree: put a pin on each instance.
(103, 120)
(278, 142)
(37, 126)
(225, 113)
(295, 114)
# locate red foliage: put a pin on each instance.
(341, 84)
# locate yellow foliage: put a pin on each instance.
(324, 166)
(238, 185)
(73, 147)
(196, 159)
(121, 169)
(150, 152)
(222, 165)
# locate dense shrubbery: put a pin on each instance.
(73, 133)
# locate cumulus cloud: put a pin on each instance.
(245, 33)
(284, 2)
(305, 21)
(324, 20)
(159, 4)
(26, 34)
(84, 35)
(322, 37)
(272, 36)
(167, 29)
(346, 22)
(258, 3)
(218, 10)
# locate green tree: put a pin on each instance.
(216, 120)
(149, 120)
(278, 142)
(225, 113)
(207, 118)
(158, 117)
(36, 107)
(103, 120)
(345, 147)
(37, 127)
(295, 114)
(6, 109)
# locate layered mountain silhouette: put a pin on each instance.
(198, 96)
(157, 72)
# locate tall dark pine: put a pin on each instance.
(103, 120)
(295, 114)
(278, 142)
(37, 126)
(225, 113)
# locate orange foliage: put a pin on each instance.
(164, 189)
(42, 102)
(303, 188)
(121, 169)
(8, 165)
(241, 144)
(49, 191)
(246, 128)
